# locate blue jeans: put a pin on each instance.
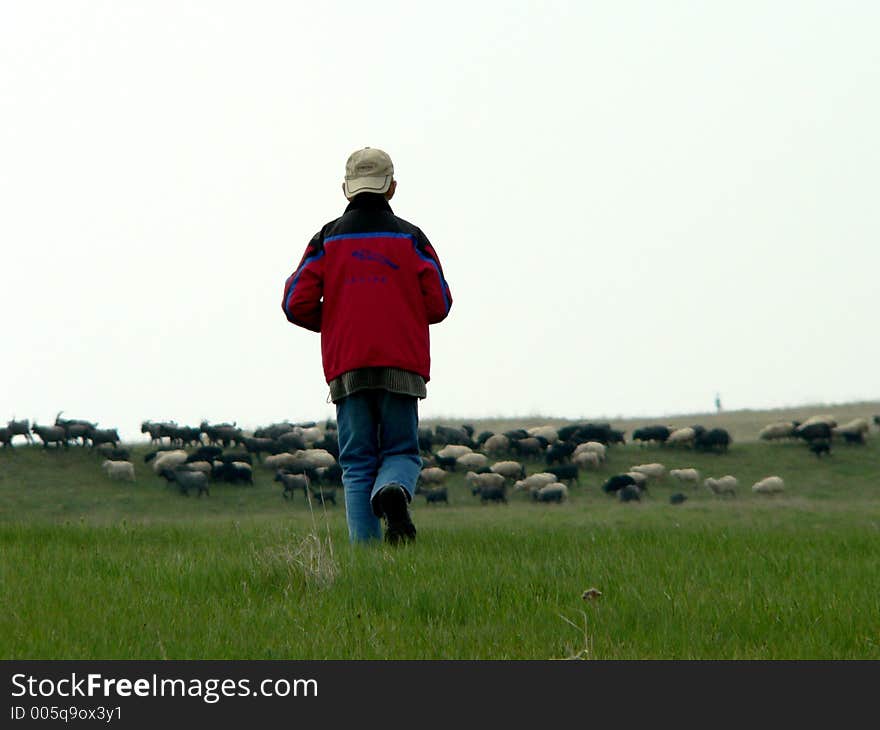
(378, 445)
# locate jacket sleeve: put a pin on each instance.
(435, 290)
(304, 288)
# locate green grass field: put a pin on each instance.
(95, 569)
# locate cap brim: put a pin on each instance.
(367, 185)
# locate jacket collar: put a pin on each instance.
(368, 201)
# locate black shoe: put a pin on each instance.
(391, 503)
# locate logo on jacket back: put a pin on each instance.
(364, 254)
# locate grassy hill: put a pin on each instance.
(95, 569)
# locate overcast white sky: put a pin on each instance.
(637, 204)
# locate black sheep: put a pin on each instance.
(716, 439)
(618, 482)
(437, 494)
(629, 493)
(677, 498)
(814, 431)
(819, 447)
(651, 433)
(565, 473)
(560, 452)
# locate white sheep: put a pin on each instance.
(856, 427)
(685, 476)
(485, 481)
(509, 469)
(169, 459)
(432, 475)
(472, 461)
(555, 492)
(453, 451)
(280, 461)
(497, 444)
(639, 478)
(316, 457)
(681, 436)
(825, 418)
(203, 466)
(769, 485)
(652, 471)
(123, 470)
(587, 459)
(547, 432)
(724, 485)
(778, 430)
(534, 481)
(593, 446)
(311, 434)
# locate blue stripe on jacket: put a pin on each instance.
(444, 287)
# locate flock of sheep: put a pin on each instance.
(303, 456)
(567, 452)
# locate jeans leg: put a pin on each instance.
(359, 459)
(399, 459)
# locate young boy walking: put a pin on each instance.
(371, 283)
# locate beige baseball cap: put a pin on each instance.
(369, 170)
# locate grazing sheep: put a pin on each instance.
(535, 481)
(560, 452)
(496, 445)
(279, 461)
(827, 419)
(316, 458)
(435, 495)
(591, 446)
(472, 461)
(651, 433)
(5, 437)
(186, 479)
(480, 481)
(233, 472)
(858, 427)
(587, 459)
(122, 470)
(291, 482)
(565, 473)
(725, 485)
(641, 479)
(677, 498)
(778, 430)
(454, 451)
(769, 485)
(685, 476)
(432, 475)
(206, 467)
(819, 447)
(545, 432)
(682, 437)
(532, 447)
(169, 459)
(555, 492)
(814, 432)
(453, 435)
(509, 469)
(617, 482)
(716, 439)
(629, 493)
(652, 471)
(329, 475)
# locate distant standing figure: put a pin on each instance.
(718, 402)
(371, 283)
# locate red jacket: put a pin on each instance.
(370, 283)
